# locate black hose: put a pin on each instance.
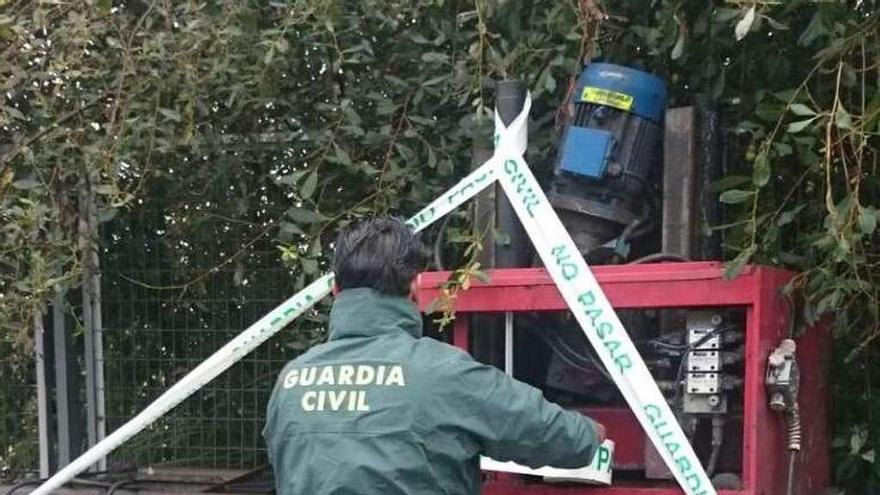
(75, 481)
(561, 348)
(438, 242)
(661, 256)
(119, 484)
(23, 484)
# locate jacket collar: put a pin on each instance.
(363, 312)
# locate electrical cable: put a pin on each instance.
(689, 347)
(793, 427)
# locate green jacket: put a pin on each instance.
(380, 410)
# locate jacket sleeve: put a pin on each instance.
(511, 420)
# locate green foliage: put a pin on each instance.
(249, 124)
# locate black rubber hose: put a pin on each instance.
(115, 486)
(438, 242)
(75, 481)
(23, 484)
(661, 256)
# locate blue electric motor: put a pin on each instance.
(610, 154)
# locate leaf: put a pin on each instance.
(310, 266)
(288, 228)
(868, 220)
(745, 24)
(14, 112)
(482, 276)
(800, 125)
(307, 190)
(783, 149)
(340, 156)
(292, 178)
(761, 173)
(435, 305)
(26, 184)
(735, 196)
(734, 267)
(435, 57)
(726, 14)
(842, 118)
(549, 82)
(857, 441)
(786, 217)
(303, 215)
(775, 24)
(106, 214)
(170, 114)
(432, 158)
(869, 456)
(801, 109)
(678, 49)
(728, 182)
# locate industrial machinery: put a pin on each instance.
(629, 185)
(743, 321)
(608, 156)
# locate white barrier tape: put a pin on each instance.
(255, 335)
(514, 139)
(598, 472)
(598, 319)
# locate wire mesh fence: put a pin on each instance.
(19, 444)
(172, 294)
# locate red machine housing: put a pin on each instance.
(677, 285)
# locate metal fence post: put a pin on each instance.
(42, 397)
(94, 352)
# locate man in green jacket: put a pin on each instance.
(378, 409)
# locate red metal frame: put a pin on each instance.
(670, 285)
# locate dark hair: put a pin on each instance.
(381, 253)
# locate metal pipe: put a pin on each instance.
(509, 99)
(717, 442)
(97, 330)
(87, 318)
(508, 343)
(42, 395)
(62, 395)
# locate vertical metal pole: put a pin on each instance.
(101, 419)
(62, 390)
(42, 396)
(91, 322)
(508, 343)
(509, 99)
(97, 331)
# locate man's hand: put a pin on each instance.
(600, 432)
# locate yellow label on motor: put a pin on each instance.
(607, 97)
